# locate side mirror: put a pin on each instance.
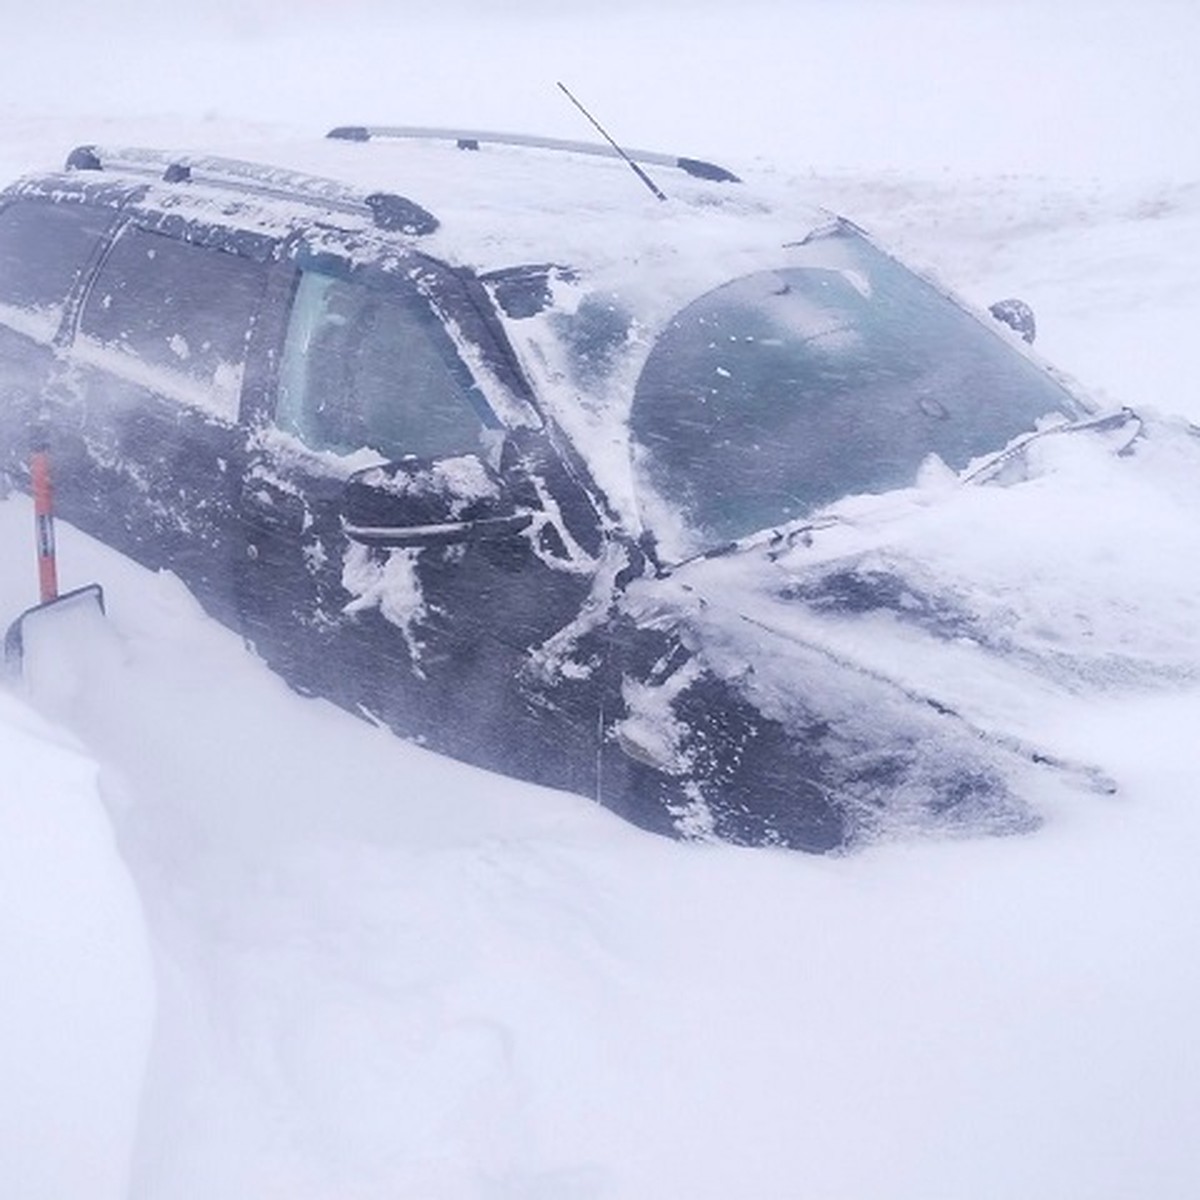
(1016, 314)
(430, 502)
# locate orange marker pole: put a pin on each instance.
(43, 516)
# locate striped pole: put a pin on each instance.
(43, 515)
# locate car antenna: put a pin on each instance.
(604, 134)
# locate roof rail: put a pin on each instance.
(472, 139)
(386, 209)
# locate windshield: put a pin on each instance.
(785, 390)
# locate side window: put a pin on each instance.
(373, 367)
(178, 315)
(43, 250)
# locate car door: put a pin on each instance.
(429, 629)
(156, 367)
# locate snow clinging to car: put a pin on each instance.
(635, 498)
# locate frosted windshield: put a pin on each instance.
(784, 390)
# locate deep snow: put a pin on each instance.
(255, 947)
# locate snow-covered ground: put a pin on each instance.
(254, 947)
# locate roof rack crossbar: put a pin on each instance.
(385, 209)
(471, 139)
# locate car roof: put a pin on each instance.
(497, 204)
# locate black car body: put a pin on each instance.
(474, 465)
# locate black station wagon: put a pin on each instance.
(469, 434)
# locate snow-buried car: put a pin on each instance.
(542, 472)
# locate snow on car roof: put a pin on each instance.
(502, 205)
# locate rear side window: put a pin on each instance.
(44, 248)
(367, 366)
(175, 317)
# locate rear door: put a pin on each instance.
(157, 368)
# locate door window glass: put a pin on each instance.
(178, 313)
(43, 249)
(374, 367)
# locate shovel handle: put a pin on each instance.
(43, 516)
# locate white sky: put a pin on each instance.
(1074, 90)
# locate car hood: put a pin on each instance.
(946, 632)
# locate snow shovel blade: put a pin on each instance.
(14, 640)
